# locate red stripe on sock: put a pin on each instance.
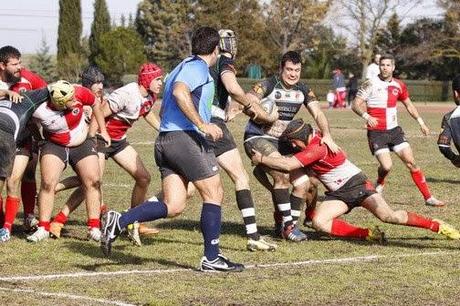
(45, 224)
(420, 221)
(309, 213)
(28, 193)
(11, 209)
(419, 180)
(60, 218)
(93, 223)
(341, 228)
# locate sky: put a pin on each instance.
(26, 22)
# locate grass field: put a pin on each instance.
(417, 267)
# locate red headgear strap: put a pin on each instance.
(147, 73)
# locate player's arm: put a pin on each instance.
(445, 140)
(252, 109)
(323, 125)
(184, 100)
(153, 120)
(280, 163)
(106, 111)
(10, 95)
(98, 114)
(412, 110)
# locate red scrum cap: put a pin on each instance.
(147, 73)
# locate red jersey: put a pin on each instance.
(67, 127)
(29, 81)
(381, 98)
(333, 170)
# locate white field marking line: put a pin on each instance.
(116, 185)
(357, 259)
(67, 296)
(142, 143)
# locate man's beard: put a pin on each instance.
(11, 78)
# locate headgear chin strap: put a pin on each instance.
(227, 42)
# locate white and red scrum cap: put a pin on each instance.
(147, 73)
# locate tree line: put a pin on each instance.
(328, 33)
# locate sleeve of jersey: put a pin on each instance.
(263, 89)
(226, 65)
(193, 74)
(311, 154)
(364, 90)
(445, 136)
(35, 80)
(308, 94)
(117, 100)
(404, 92)
(84, 95)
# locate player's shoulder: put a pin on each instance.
(399, 82)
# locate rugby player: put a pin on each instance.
(288, 94)
(184, 155)
(376, 103)
(65, 127)
(347, 188)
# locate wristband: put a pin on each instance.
(420, 121)
(365, 116)
(247, 106)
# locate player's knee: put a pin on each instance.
(319, 224)
(92, 183)
(280, 181)
(47, 186)
(242, 180)
(175, 209)
(143, 179)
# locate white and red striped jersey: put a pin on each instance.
(127, 105)
(333, 170)
(67, 127)
(29, 81)
(381, 98)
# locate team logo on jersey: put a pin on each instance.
(277, 95)
(258, 89)
(395, 91)
(75, 111)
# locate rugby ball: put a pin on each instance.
(268, 105)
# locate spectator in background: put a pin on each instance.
(338, 84)
(373, 69)
(352, 88)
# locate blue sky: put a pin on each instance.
(25, 22)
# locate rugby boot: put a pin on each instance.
(55, 229)
(220, 264)
(379, 188)
(110, 230)
(263, 244)
(30, 223)
(447, 230)
(40, 234)
(94, 234)
(133, 234)
(432, 201)
(292, 233)
(4, 235)
(377, 235)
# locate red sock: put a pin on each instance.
(60, 218)
(28, 193)
(419, 180)
(309, 213)
(419, 221)
(11, 209)
(93, 223)
(341, 228)
(2, 216)
(45, 224)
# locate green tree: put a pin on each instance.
(100, 25)
(121, 52)
(42, 62)
(68, 42)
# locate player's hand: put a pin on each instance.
(105, 136)
(256, 157)
(327, 140)
(211, 130)
(274, 115)
(372, 121)
(14, 97)
(425, 129)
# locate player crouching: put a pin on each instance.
(347, 188)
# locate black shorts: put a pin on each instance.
(354, 192)
(116, 146)
(267, 145)
(71, 155)
(25, 147)
(7, 153)
(386, 141)
(226, 143)
(185, 153)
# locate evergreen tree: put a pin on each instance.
(100, 25)
(121, 52)
(68, 42)
(42, 62)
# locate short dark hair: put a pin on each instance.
(387, 57)
(205, 40)
(456, 83)
(8, 52)
(292, 56)
(297, 129)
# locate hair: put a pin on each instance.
(456, 83)
(387, 57)
(204, 41)
(291, 56)
(91, 75)
(297, 129)
(8, 52)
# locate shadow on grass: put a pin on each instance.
(437, 180)
(118, 257)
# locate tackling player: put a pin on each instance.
(347, 188)
(376, 103)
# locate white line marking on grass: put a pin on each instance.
(116, 185)
(67, 296)
(142, 143)
(357, 259)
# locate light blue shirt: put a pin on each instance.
(194, 73)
